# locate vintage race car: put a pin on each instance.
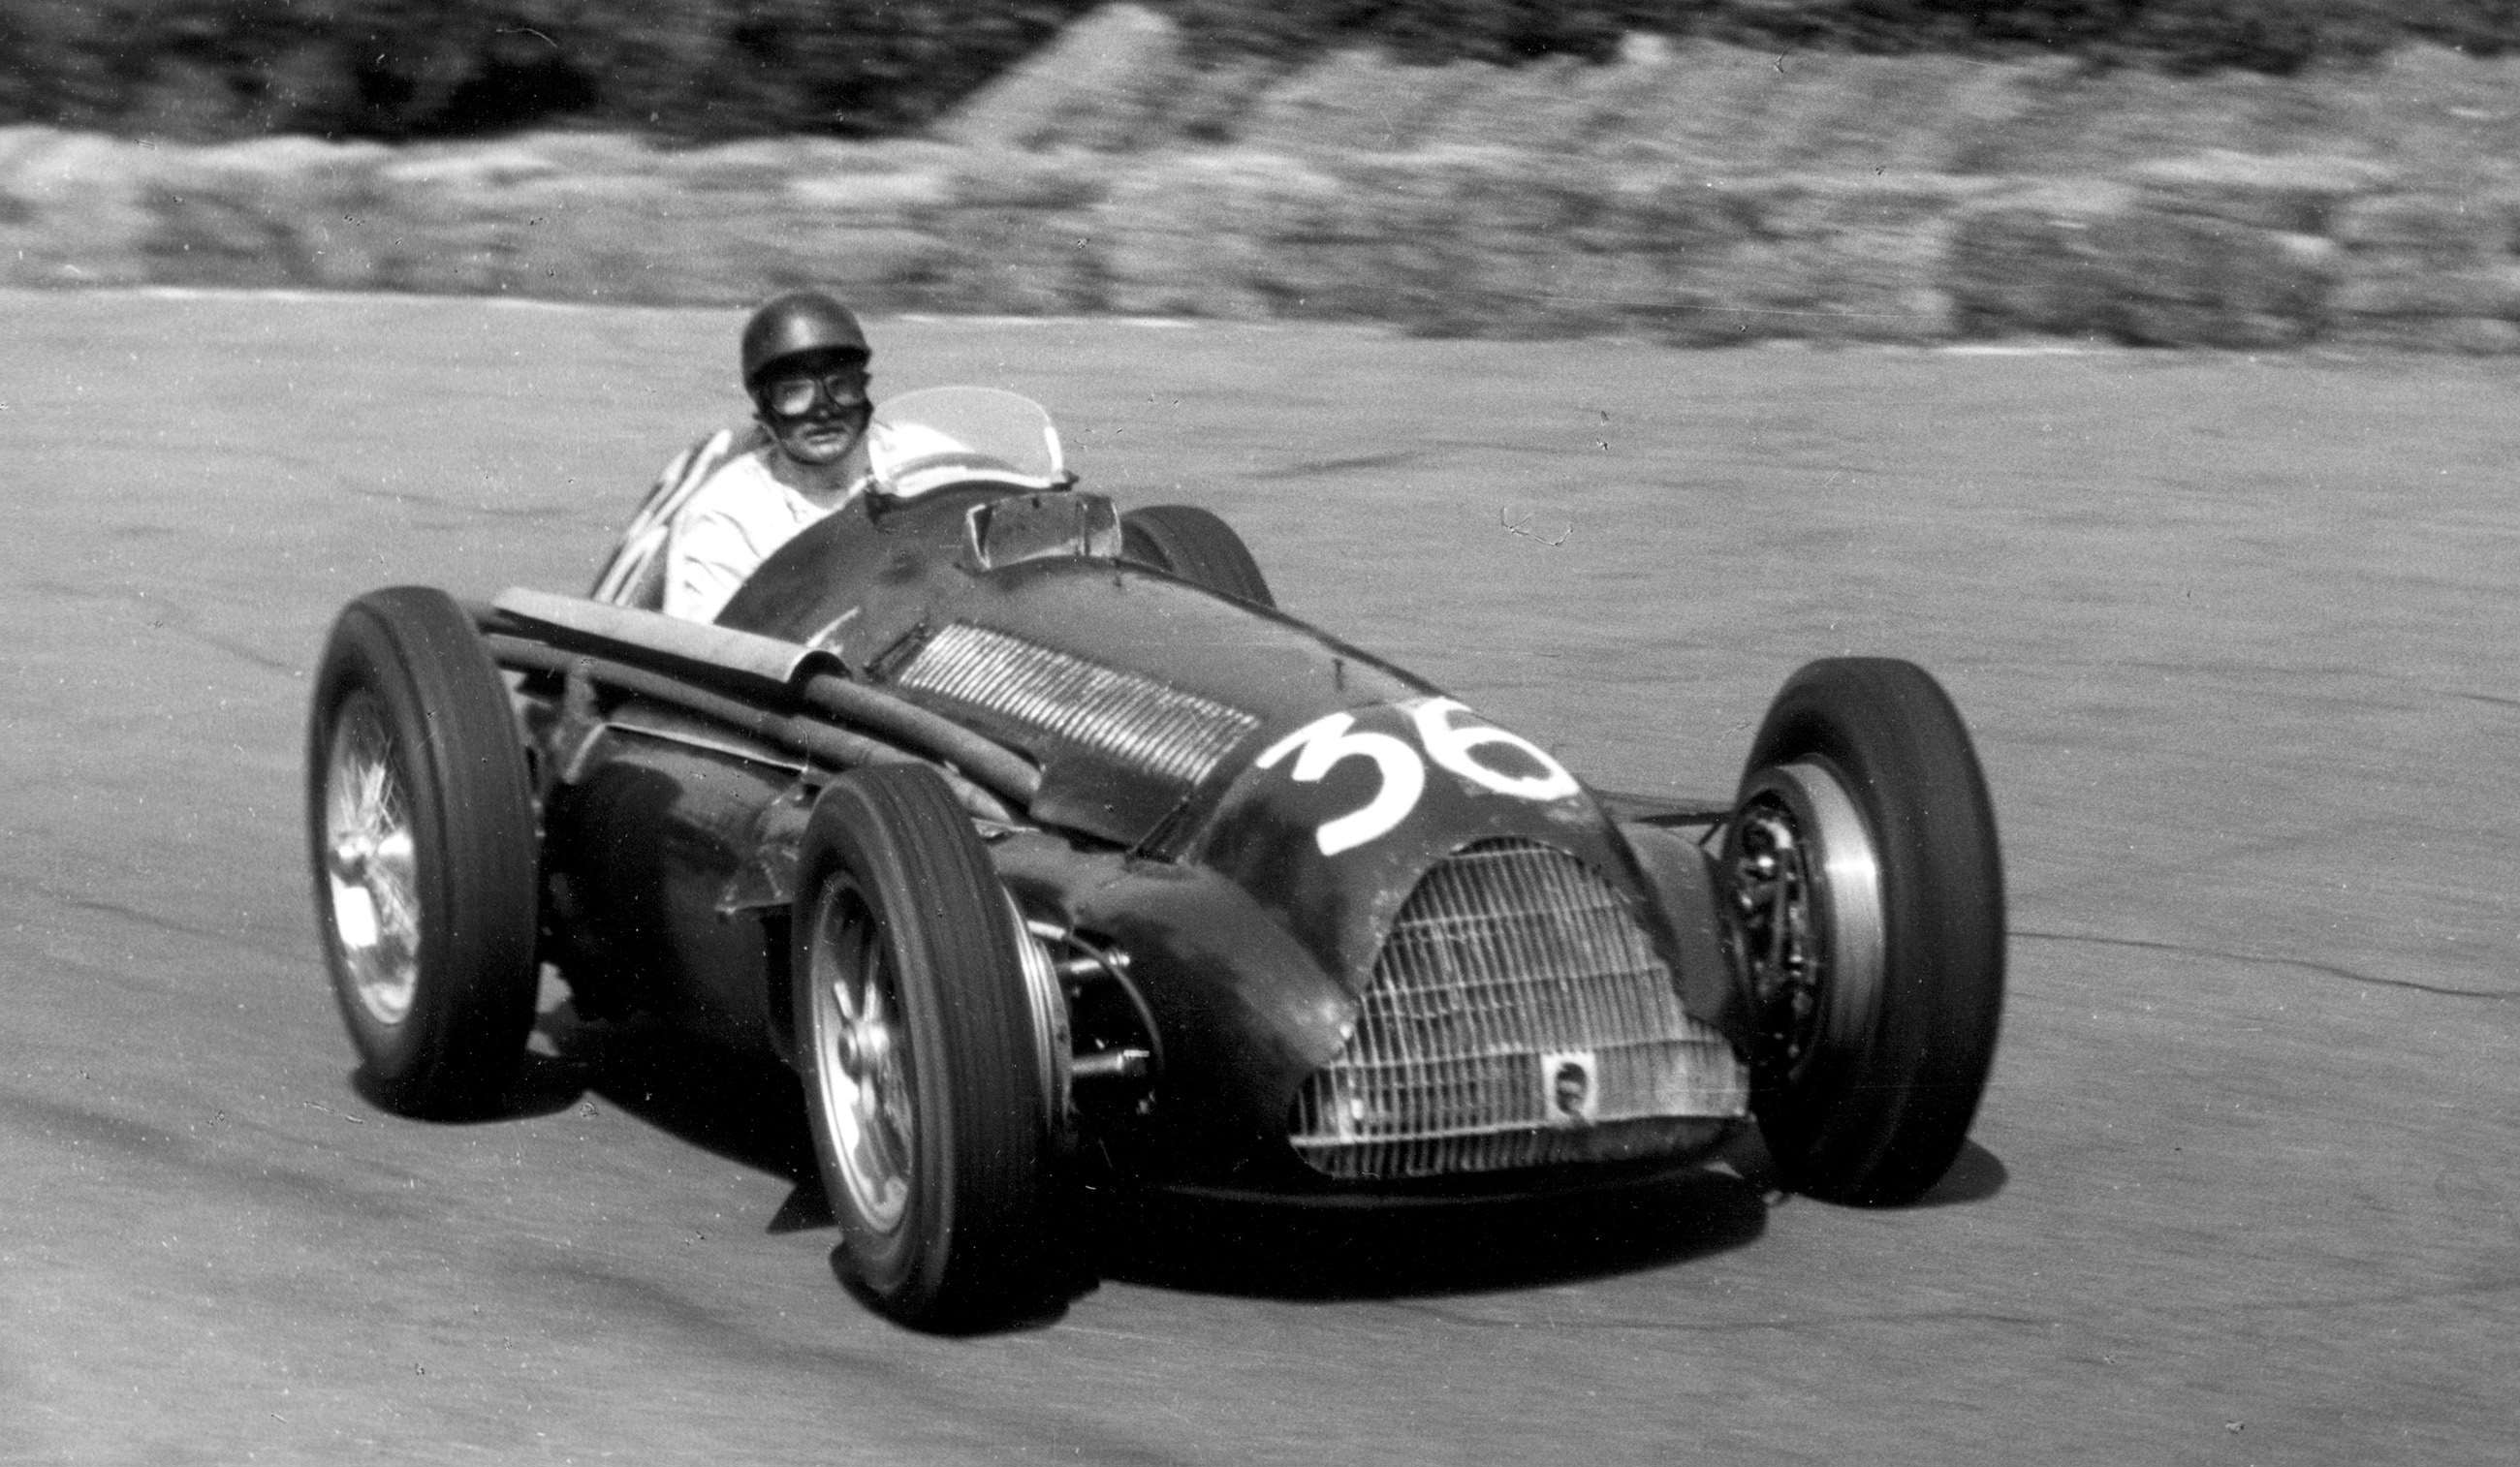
(1052, 856)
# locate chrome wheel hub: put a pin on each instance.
(369, 863)
(1806, 884)
(861, 1062)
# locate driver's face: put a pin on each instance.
(820, 439)
(816, 416)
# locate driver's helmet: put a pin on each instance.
(807, 344)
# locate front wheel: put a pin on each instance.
(933, 1051)
(421, 827)
(1869, 892)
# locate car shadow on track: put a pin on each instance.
(1279, 1250)
(1976, 1175)
(1282, 1252)
(1250, 1249)
(749, 1110)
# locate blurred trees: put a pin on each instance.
(715, 69)
(405, 69)
(2174, 35)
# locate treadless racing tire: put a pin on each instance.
(931, 1068)
(1196, 546)
(1864, 871)
(421, 825)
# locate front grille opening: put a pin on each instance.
(1519, 1016)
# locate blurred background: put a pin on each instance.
(203, 69)
(2233, 173)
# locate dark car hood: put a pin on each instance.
(1179, 724)
(1136, 692)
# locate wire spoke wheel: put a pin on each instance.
(422, 833)
(369, 864)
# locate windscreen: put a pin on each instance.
(926, 440)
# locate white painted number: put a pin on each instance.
(1453, 747)
(1327, 740)
(1321, 744)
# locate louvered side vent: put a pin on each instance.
(1135, 719)
(1518, 1017)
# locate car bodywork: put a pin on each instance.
(1345, 932)
(1050, 853)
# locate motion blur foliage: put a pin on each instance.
(703, 69)
(847, 67)
(201, 70)
(2173, 35)
(1432, 31)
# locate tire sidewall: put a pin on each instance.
(363, 659)
(935, 1269)
(462, 774)
(1890, 1095)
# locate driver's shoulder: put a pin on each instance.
(706, 456)
(728, 457)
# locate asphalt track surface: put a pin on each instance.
(2237, 636)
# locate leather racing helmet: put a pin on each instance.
(799, 324)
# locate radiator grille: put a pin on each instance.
(1519, 1016)
(1135, 719)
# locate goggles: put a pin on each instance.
(794, 394)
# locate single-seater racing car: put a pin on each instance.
(1049, 852)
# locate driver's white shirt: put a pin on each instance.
(737, 518)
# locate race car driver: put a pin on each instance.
(726, 504)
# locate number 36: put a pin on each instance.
(1324, 743)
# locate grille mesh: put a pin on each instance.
(1166, 733)
(1519, 1016)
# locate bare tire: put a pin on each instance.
(1863, 863)
(930, 1040)
(1197, 546)
(422, 829)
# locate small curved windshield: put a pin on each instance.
(939, 437)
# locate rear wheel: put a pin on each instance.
(421, 827)
(1196, 546)
(1869, 889)
(932, 1045)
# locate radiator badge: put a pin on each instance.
(1571, 1097)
